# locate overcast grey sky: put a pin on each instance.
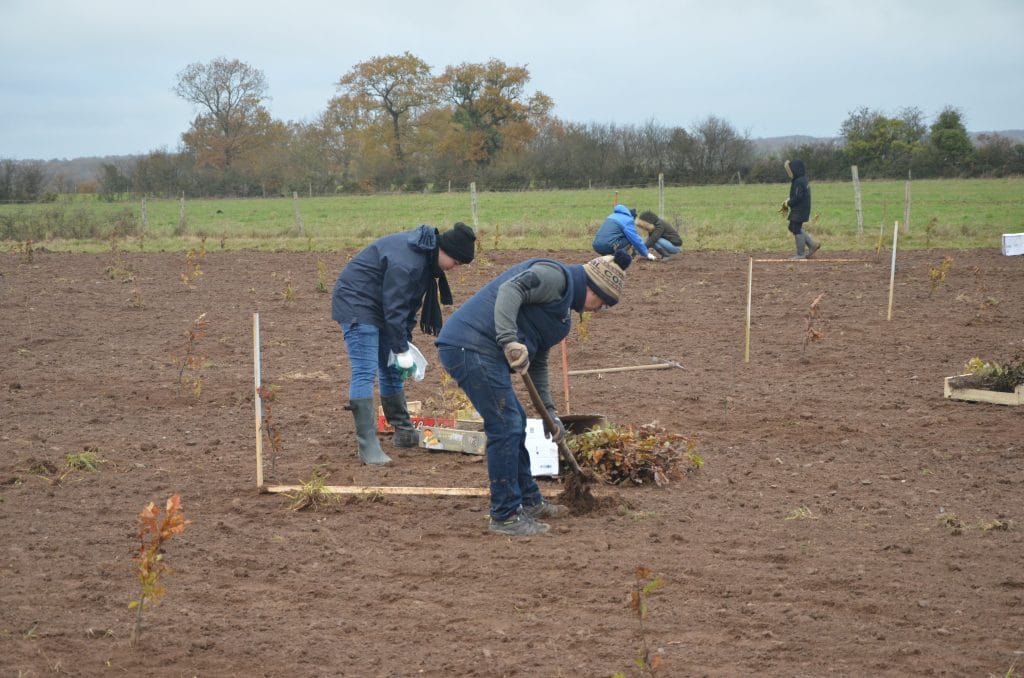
(94, 77)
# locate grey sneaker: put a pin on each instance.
(520, 524)
(545, 509)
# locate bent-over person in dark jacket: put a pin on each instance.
(662, 237)
(376, 299)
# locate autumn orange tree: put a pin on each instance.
(491, 108)
(379, 105)
(229, 95)
(154, 532)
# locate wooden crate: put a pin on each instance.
(979, 395)
(453, 439)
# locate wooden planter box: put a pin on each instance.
(979, 395)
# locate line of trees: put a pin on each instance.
(396, 126)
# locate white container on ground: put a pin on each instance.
(1013, 243)
(543, 452)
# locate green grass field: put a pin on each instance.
(943, 213)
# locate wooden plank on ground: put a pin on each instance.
(384, 489)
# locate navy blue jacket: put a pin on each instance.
(541, 326)
(799, 193)
(384, 284)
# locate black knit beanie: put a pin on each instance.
(459, 243)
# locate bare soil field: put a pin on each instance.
(849, 521)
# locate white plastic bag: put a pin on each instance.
(418, 361)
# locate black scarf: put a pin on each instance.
(430, 316)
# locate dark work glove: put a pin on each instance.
(558, 435)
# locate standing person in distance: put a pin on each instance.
(508, 326)
(618, 232)
(376, 299)
(662, 237)
(798, 209)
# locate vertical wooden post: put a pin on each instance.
(661, 194)
(256, 398)
(472, 201)
(299, 228)
(750, 286)
(145, 217)
(892, 267)
(182, 222)
(906, 206)
(856, 200)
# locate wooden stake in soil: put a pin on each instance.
(750, 286)
(892, 268)
(256, 398)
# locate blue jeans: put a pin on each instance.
(665, 247)
(368, 357)
(488, 384)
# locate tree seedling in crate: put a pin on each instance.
(154, 532)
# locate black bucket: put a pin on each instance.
(581, 423)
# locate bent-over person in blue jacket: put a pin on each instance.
(618, 232)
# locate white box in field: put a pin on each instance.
(543, 452)
(1013, 243)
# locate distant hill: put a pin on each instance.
(771, 145)
(1015, 134)
(87, 169)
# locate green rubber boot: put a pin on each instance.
(370, 451)
(397, 413)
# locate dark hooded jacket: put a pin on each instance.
(799, 192)
(384, 284)
(659, 228)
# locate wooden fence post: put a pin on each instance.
(906, 206)
(856, 200)
(298, 215)
(472, 201)
(182, 221)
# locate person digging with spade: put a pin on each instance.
(509, 326)
(375, 301)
